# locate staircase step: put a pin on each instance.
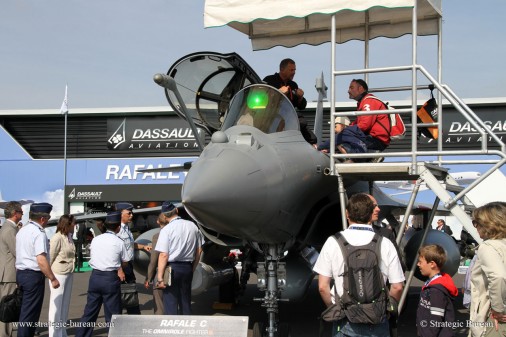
(469, 208)
(454, 188)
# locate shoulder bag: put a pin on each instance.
(129, 295)
(10, 307)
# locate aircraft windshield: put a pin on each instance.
(263, 107)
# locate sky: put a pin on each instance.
(108, 51)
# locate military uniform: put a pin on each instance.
(180, 239)
(31, 241)
(128, 240)
(107, 254)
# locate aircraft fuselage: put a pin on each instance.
(256, 186)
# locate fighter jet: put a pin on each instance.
(258, 184)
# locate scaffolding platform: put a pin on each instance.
(388, 171)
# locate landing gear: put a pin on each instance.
(271, 276)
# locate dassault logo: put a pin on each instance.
(118, 137)
(150, 135)
(72, 194)
(85, 195)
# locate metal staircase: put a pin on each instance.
(434, 172)
(413, 164)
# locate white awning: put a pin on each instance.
(288, 23)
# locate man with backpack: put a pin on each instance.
(376, 127)
(360, 262)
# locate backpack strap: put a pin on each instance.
(377, 239)
(377, 120)
(341, 241)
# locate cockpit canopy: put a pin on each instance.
(262, 107)
(207, 81)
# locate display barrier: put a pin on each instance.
(167, 325)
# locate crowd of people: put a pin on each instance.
(435, 315)
(27, 258)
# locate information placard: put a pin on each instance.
(167, 325)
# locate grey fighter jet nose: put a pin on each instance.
(227, 191)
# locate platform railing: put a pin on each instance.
(414, 154)
(447, 93)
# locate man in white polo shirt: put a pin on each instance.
(330, 265)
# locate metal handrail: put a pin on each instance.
(423, 153)
(459, 105)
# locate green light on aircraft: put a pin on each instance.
(257, 99)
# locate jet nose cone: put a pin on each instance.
(226, 193)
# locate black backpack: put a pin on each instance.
(365, 296)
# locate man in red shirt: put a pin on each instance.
(374, 126)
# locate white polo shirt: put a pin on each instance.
(330, 263)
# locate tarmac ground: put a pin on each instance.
(301, 317)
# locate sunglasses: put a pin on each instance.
(476, 224)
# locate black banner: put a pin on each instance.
(149, 134)
(113, 193)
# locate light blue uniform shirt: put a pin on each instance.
(31, 241)
(180, 239)
(107, 252)
(128, 240)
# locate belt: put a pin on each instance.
(104, 271)
(29, 271)
(180, 262)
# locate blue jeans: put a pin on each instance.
(344, 328)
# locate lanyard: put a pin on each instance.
(129, 233)
(39, 227)
(431, 279)
(361, 228)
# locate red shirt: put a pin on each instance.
(369, 123)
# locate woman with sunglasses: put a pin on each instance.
(488, 276)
